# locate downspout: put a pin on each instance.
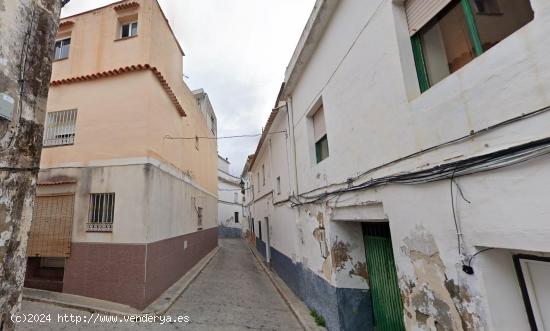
(290, 117)
(267, 244)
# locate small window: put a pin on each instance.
(60, 128)
(129, 30)
(263, 175)
(258, 182)
(236, 197)
(101, 212)
(62, 48)
(320, 135)
(236, 217)
(279, 185)
(462, 31)
(199, 218)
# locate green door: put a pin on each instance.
(386, 298)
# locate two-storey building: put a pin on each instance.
(418, 165)
(123, 209)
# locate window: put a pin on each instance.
(197, 143)
(258, 182)
(253, 231)
(60, 128)
(458, 33)
(128, 30)
(263, 175)
(199, 218)
(320, 135)
(62, 48)
(236, 197)
(102, 211)
(236, 217)
(279, 185)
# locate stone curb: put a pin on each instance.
(158, 307)
(298, 308)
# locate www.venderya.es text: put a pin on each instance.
(97, 318)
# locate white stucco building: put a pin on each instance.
(409, 190)
(230, 202)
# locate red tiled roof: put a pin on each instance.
(119, 71)
(65, 24)
(270, 120)
(126, 5)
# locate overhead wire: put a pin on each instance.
(223, 137)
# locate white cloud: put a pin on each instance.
(237, 51)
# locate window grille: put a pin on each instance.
(62, 48)
(60, 128)
(102, 210)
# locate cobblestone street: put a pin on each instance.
(231, 293)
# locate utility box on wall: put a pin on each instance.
(7, 104)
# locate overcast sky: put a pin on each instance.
(237, 51)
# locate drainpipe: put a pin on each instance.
(290, 116)
(267, 244)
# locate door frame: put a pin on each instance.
(525, 285)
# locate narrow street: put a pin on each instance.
(231, 293)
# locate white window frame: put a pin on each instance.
(60, 128)
(131, 31)
(58, 54)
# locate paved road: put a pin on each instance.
(232, 293)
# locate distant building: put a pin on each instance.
(411, 192)
(122, 210)
(230, 202)
(206, 109)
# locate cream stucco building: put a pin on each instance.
(123, 210)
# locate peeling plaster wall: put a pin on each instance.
(374, 114)
(20, 139)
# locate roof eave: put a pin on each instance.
(312, 34)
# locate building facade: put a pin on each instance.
(124, 207)
(230, 202)
(416, 162)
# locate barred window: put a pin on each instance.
(102, 210)
(60, 128)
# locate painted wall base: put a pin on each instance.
(134, 274)
(342, 308)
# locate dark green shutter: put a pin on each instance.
(384, 288)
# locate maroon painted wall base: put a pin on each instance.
(134, 274)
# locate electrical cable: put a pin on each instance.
(479, 252)
(458, 234)
(218, 138)
(471, 135)
(492, 161)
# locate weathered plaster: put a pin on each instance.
(432, 301)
